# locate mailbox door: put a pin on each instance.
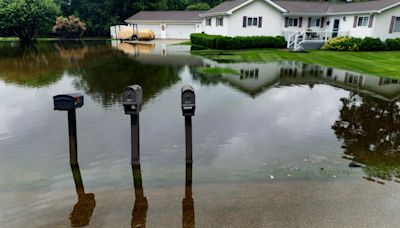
(188, 98)
(129, 97)
(64, 103)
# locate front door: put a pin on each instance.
(163, 28)
(335, 31)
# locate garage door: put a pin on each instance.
(154, 27)
(180, 31)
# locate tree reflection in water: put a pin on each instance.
(370, 131)
(83, 209)
(140, 206)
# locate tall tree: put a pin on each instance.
(25, 18)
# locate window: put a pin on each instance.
(293, 22)
(315, 22)
(208, 21)
(353, 79)
(388, 81)
(252, 21)
(397, 25)
(220, 21)
(249, 74)
(363, 21)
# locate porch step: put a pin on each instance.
(312, 45)
(306, 46)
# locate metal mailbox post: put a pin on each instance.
(132, 100)
(70, 102)
(188, 110)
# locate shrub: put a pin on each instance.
(70, 28)
(372, 44)
(342, 44)
(393, 44)
(238, 42)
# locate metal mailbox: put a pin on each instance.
(132, 99)
(66, 102)
(188, 100)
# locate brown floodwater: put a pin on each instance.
(277, 144)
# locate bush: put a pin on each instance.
(343, 44)
(393, 44)
(238, 42)
(69, 28)
(372, 44)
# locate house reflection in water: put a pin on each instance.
(83, 209)
(369, 123)
(254, 78)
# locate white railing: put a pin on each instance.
(296, 39)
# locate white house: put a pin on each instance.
(168, 24)
(379, 18)
(297, 21)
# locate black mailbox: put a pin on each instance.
(65, 102)
(132, 99)
(188, 100)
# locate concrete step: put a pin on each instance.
(312, 45)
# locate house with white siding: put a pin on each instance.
(297, 21)
(301, 21)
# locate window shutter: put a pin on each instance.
(355, 21)
(244, 22)
(222, 21)
(392, 24)
(300, 22)
(322, 22)
(309, 22)
(371, 21)
(259, 22)
(286, 22)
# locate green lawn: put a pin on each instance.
(385, 64)
(216, 70)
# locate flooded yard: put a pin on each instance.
(275, 144)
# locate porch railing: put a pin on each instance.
(296, 39)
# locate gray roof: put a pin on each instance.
(167, 16)
(376, 5)
(305, 6)
(226, 6)
(313, 7)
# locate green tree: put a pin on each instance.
(198, 6)
(25, 18)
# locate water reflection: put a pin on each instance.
(72, 50)
(188, 217)
(83, 209)
(136, 49)
(370, 131)
(255, 78)
(121, 71)
(34, 65)
(140, 206)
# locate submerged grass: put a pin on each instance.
(216, 70)
(385, 63)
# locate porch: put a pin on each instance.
(309, 40)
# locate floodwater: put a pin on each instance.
(278, 144)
